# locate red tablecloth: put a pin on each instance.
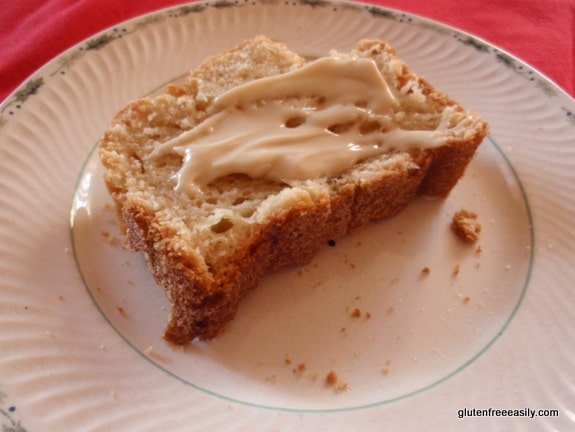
(542, 33)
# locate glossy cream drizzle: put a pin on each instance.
(258, 132)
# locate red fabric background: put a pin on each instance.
(542, 33)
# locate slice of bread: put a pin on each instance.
(208, 249)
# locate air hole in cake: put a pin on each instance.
(222, 226)
(247, 212)
(340, 128)
(368, 126)
(294, 122)
(320, 100)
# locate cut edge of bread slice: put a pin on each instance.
(208, 251)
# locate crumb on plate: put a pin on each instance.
(300, 368)
(465, 225)
(332, 380)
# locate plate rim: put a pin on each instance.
(23, 89)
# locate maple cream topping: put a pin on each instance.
(261, 128)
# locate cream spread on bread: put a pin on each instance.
(262, 128)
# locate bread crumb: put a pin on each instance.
(110, 238)
(121, 310)
(425, 270)
(299, 368)
(466, 299)
(287, 360)
(356, 313)
(385, 370)
(465, 225)
(61, 298)
(456, 270)
(149, 351)
(332, 380)
(478, 249)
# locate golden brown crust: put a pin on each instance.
(448, 165)
(205, 293)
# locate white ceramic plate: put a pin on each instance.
(488, 328)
